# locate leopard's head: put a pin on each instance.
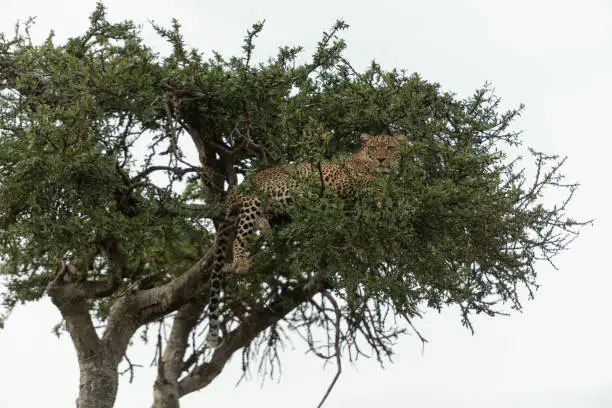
(382, 150)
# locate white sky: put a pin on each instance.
(552, 55)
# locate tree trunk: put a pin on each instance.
(165, 393)
(98, 382)
(99, 378)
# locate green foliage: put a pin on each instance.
(86, 125)
(71, 116)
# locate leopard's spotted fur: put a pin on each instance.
(219, 260)
(279, 183)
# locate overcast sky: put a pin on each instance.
(554, 56)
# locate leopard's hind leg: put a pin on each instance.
(250, 218)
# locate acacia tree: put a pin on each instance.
(114, 168)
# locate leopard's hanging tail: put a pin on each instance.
(213, 338)
(225, 236)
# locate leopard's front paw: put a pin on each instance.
(242, 266)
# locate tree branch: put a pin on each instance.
(130, 368)
(133, 310)
(75, 312)
(260, 320)
(176, 170)
(68, 284)
(336, 346)
(165, 390)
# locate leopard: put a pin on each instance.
(279, 184)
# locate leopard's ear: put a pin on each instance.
(401, 138)
(365, 137)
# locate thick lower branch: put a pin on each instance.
(74, 310)
(259, 321)
(132, 311)
(165, 389)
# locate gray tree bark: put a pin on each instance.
(98, 376)
(98, 382)
(99, 356)
(165, 389)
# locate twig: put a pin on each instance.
(157, 358)
(130, 368)
(423, 339)
(336, 346)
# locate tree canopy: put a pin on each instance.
(115, 163)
